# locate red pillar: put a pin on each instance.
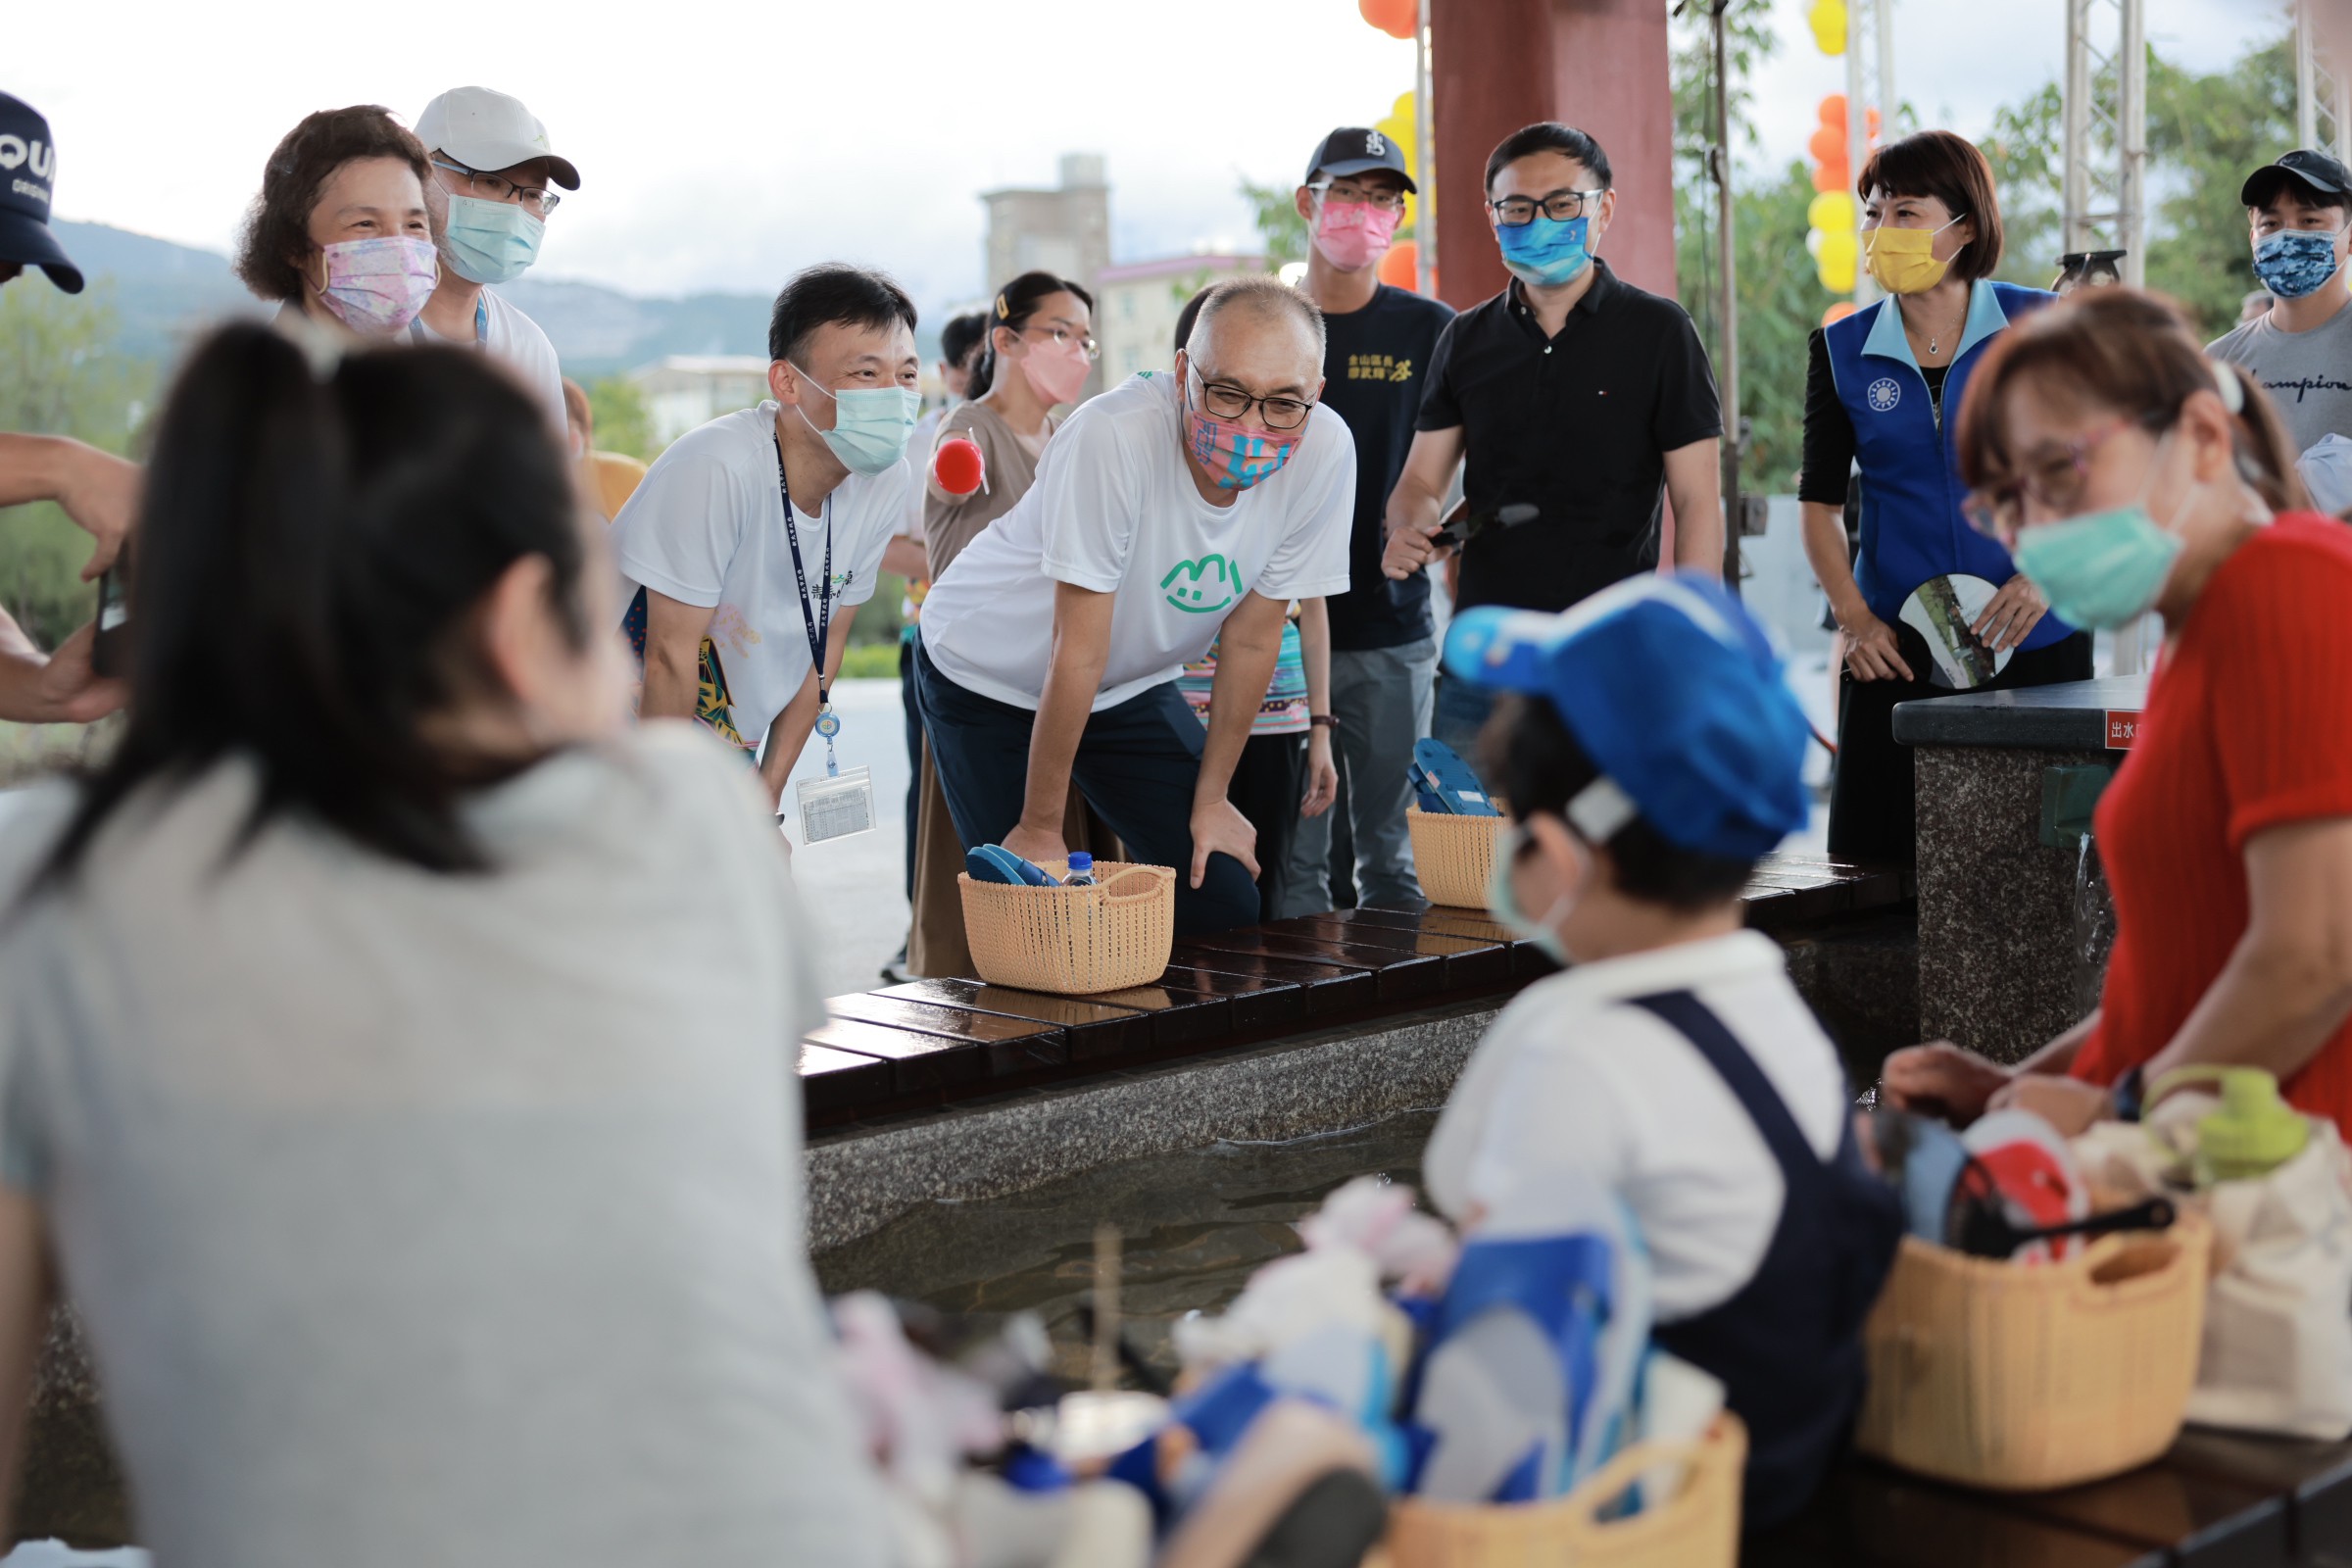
(1599, 65)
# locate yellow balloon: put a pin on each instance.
(1400, 131)
(1828, 19)
(1832, 210)
(1838, 280)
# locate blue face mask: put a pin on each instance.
(1546, 251)
(871, 424)
(1503, 903)
(2295, 262)
(490, 242)
(2102, 568)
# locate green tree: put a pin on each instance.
(2205, 134)
(1281, 231)
(64, 377)
(1779, 299)
(622, 423)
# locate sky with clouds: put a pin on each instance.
(723, 143)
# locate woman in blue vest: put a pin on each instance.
(1883, 393)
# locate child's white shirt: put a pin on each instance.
(1575, 1082)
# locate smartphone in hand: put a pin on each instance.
(110, 648)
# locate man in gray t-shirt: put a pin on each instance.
(2299, 211)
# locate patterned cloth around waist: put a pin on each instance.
(1285, 710)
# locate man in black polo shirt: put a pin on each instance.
(1571, 391)
(1376, 356)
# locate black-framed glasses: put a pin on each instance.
(536, 200)
(1226, 400)
(1388, 201)
(1517, 212)
(1063, 337)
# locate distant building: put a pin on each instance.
(1065, 231)
(1136, 307)
(685, 390)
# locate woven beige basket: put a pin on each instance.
(2022, 1377)
(1698, 1528)
(1453, 854)
(1107, 937)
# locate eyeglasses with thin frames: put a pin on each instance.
(1063, 337)
(1226, 400)
(1561, 206)
(536, 200)
(1388, 201)
(2054, 480)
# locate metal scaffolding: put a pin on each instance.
(2322, 95)
(1868, 85)
(2106, 144)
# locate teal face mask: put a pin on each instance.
(1546, 251)
(871, 424)
(2102, 568)
(1504, 904)
(490, 242)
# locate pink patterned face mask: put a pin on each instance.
(1353, 234)
(376, 286)
(1235, 455)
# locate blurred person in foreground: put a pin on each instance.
(99, 492)
(2130, 474)
(423, 1200)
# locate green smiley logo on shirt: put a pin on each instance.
(1212, 575)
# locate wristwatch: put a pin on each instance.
(1322, 721)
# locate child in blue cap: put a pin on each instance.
(1651, 754)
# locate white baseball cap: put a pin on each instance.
(488, 130)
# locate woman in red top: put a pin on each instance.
(2131, 473)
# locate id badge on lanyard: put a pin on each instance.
(840, 804)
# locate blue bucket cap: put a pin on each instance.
(1676, 693)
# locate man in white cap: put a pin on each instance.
(493, 166)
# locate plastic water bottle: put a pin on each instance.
(1081, 871)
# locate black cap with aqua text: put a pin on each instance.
(2312, 169)
(27, 172)
(1354, 150)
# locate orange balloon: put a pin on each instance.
(1828, 145)
(1838, 313)
(1870, 121)
(1398, 18)
(1833, 111)
(1401, 266)
(1832, 176)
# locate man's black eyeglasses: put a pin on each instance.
(1229, 402)
(1517, 212)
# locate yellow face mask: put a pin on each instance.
(1903, 260)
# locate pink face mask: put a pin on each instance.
(376, 286)
(1235, 455)
(1353, 234)
(1057, 370)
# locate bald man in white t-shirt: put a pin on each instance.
(1169, 510)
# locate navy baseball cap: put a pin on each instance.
(27, 172)
(1354, 150)
(1675, 692)
(2306, 165)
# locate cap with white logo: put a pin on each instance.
(487, 132)
(27, 172)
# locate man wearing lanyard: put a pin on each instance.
(491, 169)
(746, 550)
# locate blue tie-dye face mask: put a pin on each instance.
(2296, 262)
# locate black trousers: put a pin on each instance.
(1873, 801)
(1268, 782)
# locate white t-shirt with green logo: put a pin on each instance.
(1114, 510)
